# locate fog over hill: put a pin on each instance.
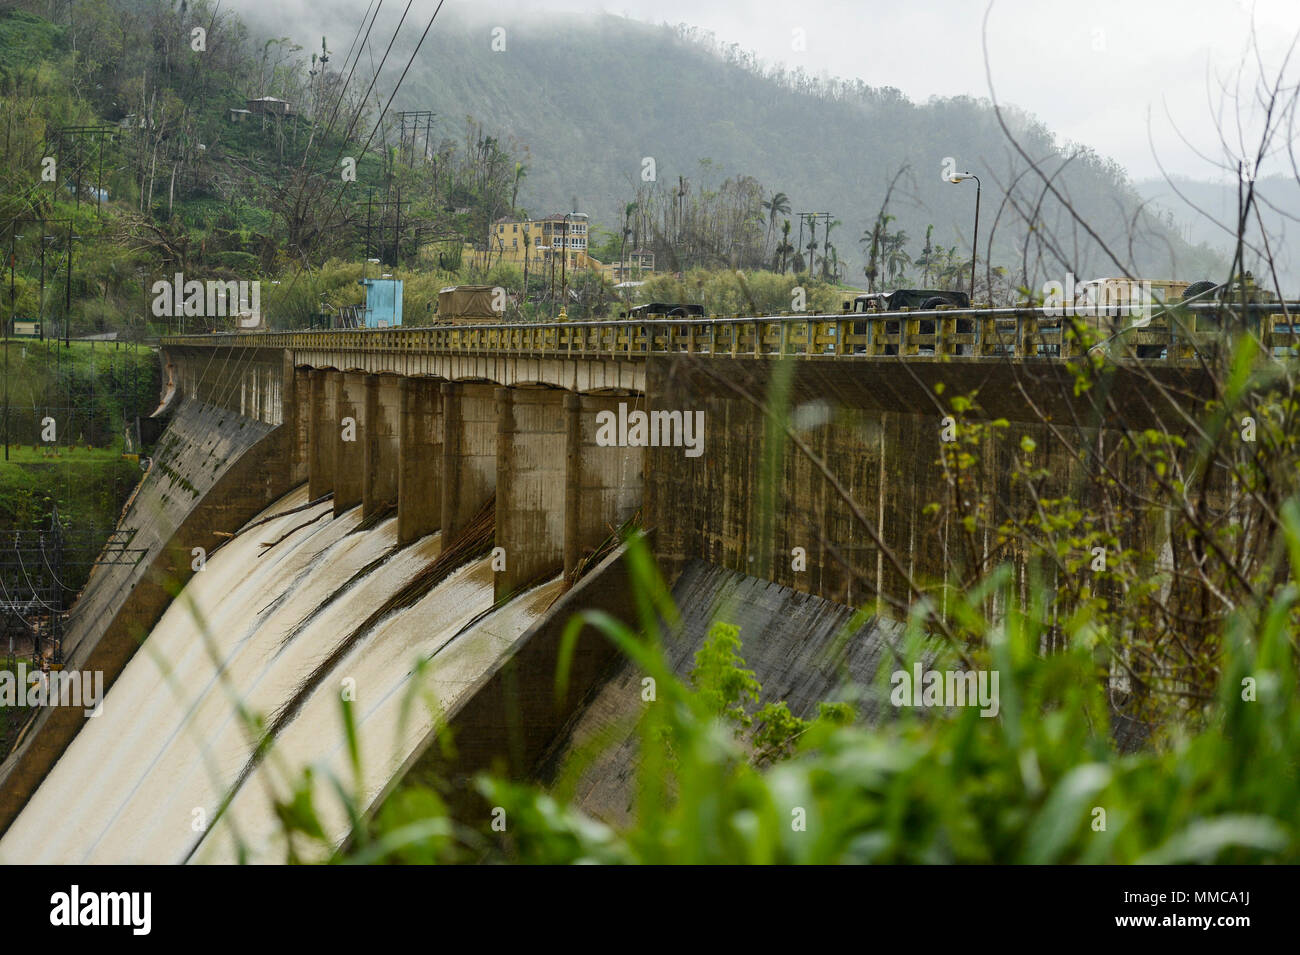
(1206, 212)
(584, 101)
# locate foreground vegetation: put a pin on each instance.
(1041, 783)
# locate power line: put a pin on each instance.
(365, 148)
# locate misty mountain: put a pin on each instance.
(586, 101)
(1206, 212)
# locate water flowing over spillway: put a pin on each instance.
(269, 632)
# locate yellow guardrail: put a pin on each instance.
(975, 333)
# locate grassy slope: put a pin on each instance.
(87, 484)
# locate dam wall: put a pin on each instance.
(862, 502)
(212, 470)
(854, 507)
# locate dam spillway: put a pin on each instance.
(269, 634)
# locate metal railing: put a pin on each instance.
(1023, 333)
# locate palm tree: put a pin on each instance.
(950, 267)
(826, 244)
(778, 205)
(834, 254)
(785, 248)
(927, 257)
(896, 258)
(627, 230)
(520, 172)
(874, 239)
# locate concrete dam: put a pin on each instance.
(407, 519)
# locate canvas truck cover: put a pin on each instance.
(672, 309)
(467, 303)
(911, 298)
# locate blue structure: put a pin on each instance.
(383, 303)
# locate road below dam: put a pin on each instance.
(274, 635)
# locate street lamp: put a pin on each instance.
(975, 240)
(564, 277)
(549, 251)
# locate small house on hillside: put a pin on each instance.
(270, 106)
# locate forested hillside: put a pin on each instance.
(591, 98)
(129, 154)
(669, 140)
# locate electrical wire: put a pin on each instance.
(379, 122)
(18, 554)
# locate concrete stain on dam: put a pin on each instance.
(803, 650)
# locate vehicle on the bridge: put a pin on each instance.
(470, 305)
(666, 310)
(1117, 297)
(910, 298)
(1133, 307)
(1137, 310)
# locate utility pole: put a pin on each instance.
(681, 198)
(67, 295)
(812, 242)
(13, 294)
(397, 231)
(40, 308)
(74, 134)
(527, 250)
(380, 209)
(799, 245)
(551, 292)
(370, 198)
(826, 238)
(6, 340)
(414, 118)
(9, 325)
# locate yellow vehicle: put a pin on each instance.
(1111, 306)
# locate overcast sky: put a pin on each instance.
(1113, 74)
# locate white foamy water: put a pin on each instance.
(143, 781)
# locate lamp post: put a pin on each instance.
(564, 278)
(550, 294)
(975, 240)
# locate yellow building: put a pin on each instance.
(538, 243)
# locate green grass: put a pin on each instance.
(90, 391)
(23, 454)
(26, 39)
